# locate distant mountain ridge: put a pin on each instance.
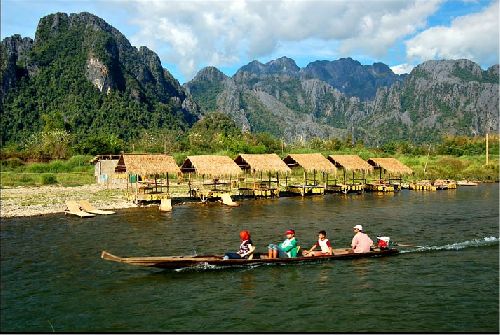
(345, 74)
(342, 97)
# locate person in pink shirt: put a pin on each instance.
(360, 242)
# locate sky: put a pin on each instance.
(188, 35)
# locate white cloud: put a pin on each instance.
(193, 34)
(402, 68)
(473, 36)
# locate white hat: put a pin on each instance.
(358, 226)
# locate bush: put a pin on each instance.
(12, 163)
(49, 179)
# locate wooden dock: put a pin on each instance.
(345, 188)
(379, 187)
(304, 190)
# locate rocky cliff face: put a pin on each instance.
(69, 49)
(14, 61)
(453, 97)
(352, 78)
(320, 100)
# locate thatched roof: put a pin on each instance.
(267, 163)
(391, 165)
(145, 164)
(350, 163)
(211, 165)
(310, 162)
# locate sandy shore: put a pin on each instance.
(31, 201)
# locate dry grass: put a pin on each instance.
(311, 162)
(147, 164)
(391, 165)
(267, 163)
(211, 165)
(350, 163)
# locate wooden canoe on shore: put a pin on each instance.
(179, 262)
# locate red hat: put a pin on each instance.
(244, 235)
(290, 231)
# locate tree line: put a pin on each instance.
(217, 133)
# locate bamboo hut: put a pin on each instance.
(213, 167)
(354, 164)
(310, 163)
(395, 170)
(255, 165)
(139, 167)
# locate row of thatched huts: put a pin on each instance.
(252, 174)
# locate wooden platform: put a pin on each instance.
(145, 197)
(422, 186)
(375, 187)
(259, 193)
(304, 190)
(345, 188)
(204, 195)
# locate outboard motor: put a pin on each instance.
(383, 242)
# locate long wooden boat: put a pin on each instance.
(180, 262)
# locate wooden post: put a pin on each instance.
(487, 149)
(136, 187)
(168, 185)
(344, 176)
(305, 182)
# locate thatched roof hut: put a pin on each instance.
(210, 165)
(146, 164)
(391, 165)
(266, 163)
(352, 163)
(310, 162)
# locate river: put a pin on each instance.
(52, 277)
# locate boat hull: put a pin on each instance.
(180, 262)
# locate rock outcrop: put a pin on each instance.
(342, 97)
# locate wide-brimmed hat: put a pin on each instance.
(358, 226)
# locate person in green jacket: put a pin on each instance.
(286, 249)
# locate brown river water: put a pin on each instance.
(52, 278)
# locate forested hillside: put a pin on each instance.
(82, 76)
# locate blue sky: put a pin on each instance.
(191, 34)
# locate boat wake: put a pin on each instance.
(486, 241)
(209, 267)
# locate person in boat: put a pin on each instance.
(286, 249)
(361, 242)
(323, 243)
(246, 247)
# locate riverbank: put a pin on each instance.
(33, 201)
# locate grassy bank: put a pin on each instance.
(77, 171)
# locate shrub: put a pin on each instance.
(49, 179)
(12, 163)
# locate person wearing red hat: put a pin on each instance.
(246, 247)
(286, 249)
